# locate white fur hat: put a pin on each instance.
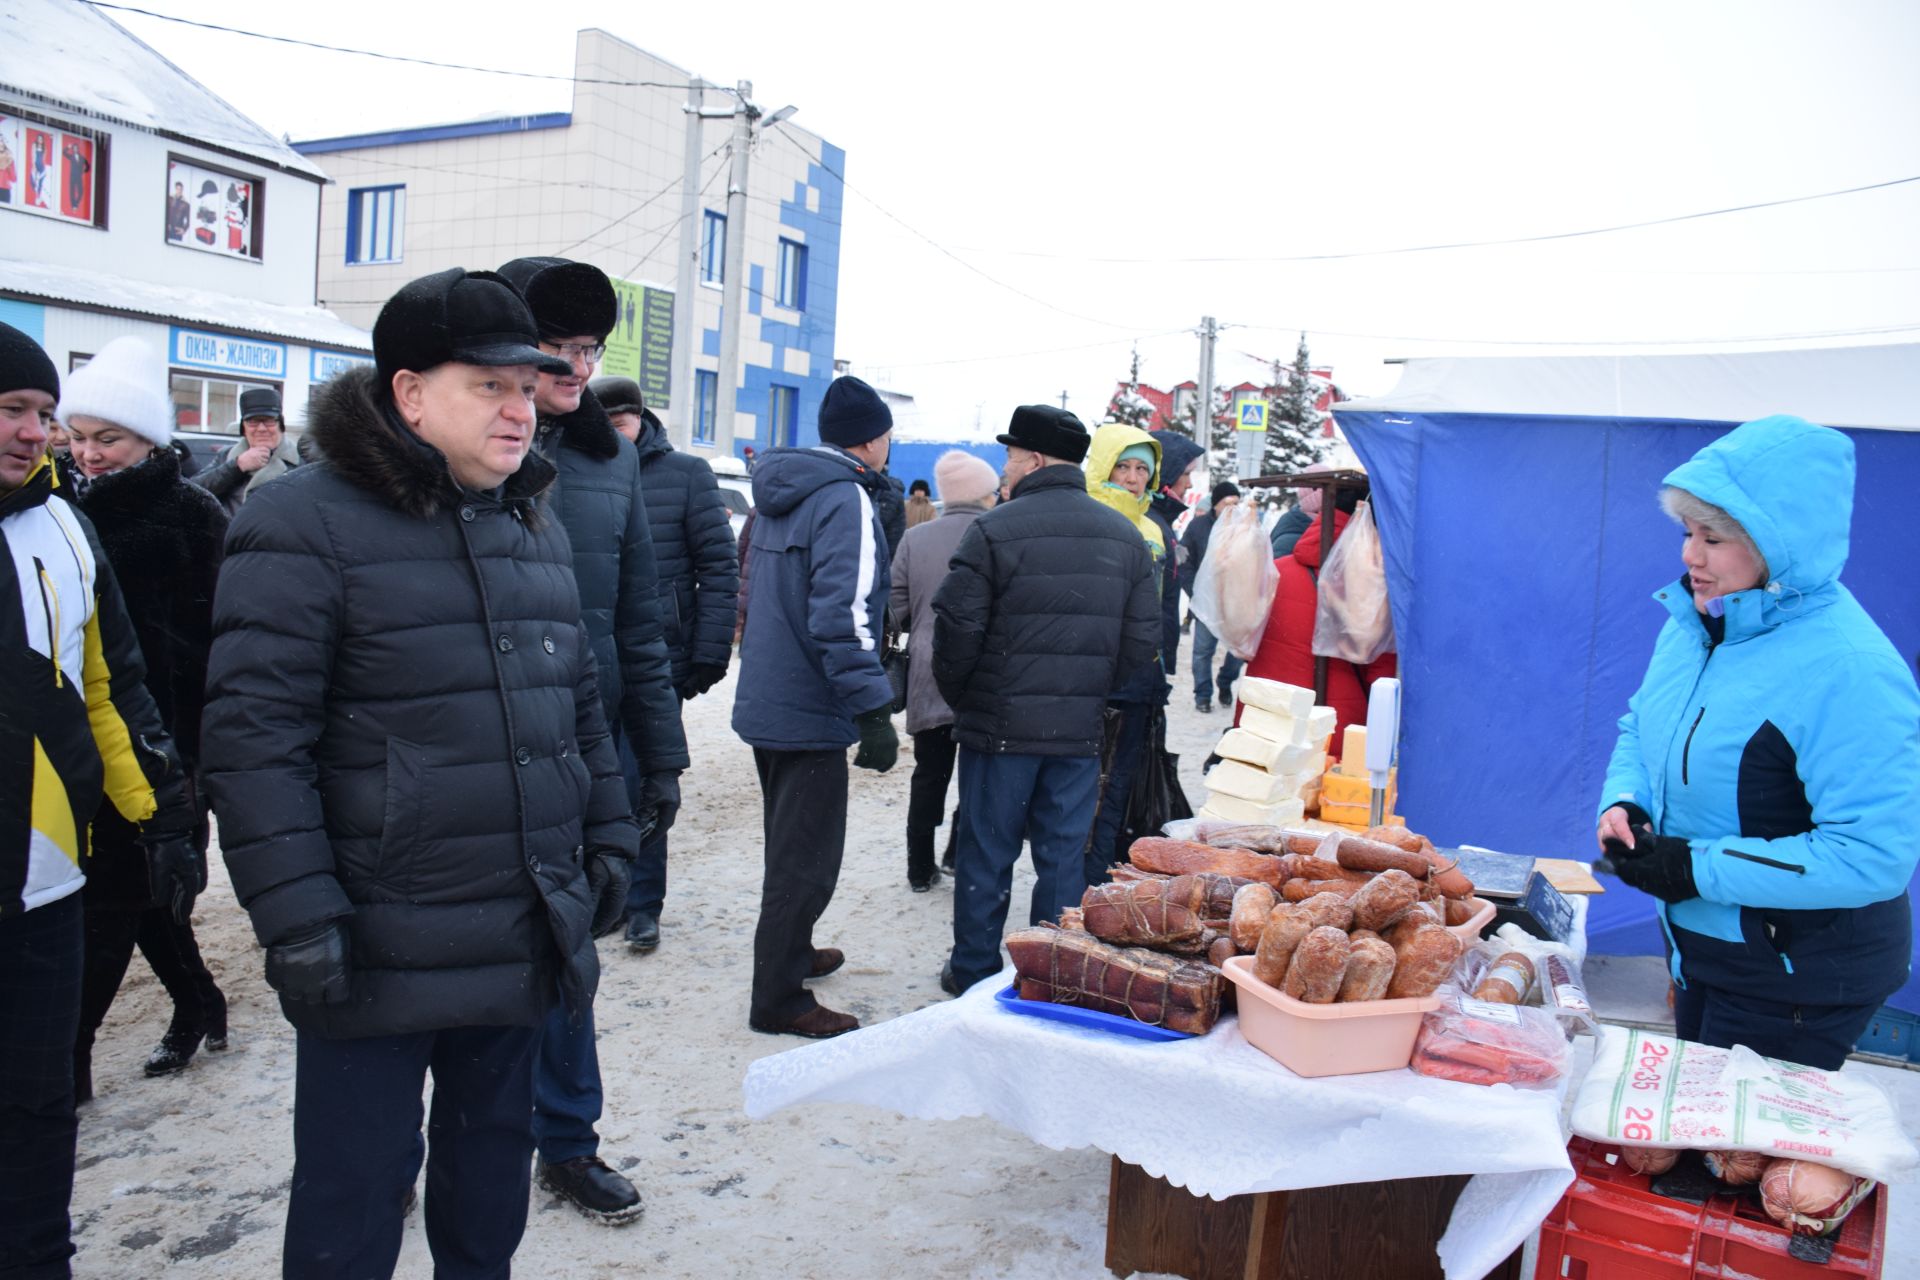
(962, 477)
(125, 384)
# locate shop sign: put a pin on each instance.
(198, 349)
(641, 344)
(328, 365)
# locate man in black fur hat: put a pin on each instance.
(600, 499)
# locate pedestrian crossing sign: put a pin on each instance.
(1253, 415)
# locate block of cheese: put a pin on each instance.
(1340, 787)
(1353, 750)
(1311, 730)
(1265, 753)
(1271, 695)
(1357, 816)
(1236, 778)
(1227, 808)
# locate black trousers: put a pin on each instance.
(933, 751)
(1814, 1035)
(804, 820)
(356, 1149)
(171, 950)
(40, 959)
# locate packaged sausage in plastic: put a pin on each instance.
(1483, 1043)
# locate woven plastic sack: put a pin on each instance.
(1353, 621)
(1234, 588)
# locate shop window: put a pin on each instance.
(375, 218)
(52, 169)
(783, 415)
(792, 291)
(208, 404)
(713, 249)
(217, 211)
(706, 385)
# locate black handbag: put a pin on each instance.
(895, 659)
(1156, 797)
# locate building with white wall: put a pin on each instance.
(134, 201)
(602, 183)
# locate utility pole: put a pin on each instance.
(683, 403)
(733, 287)
(1203, 392)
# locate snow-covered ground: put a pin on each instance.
(188, 1175)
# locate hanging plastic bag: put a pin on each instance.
(1353, 621)
(1234, 588)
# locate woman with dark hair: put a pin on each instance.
(163, 538)
(1764, 782)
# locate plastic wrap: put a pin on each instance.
(1233, 591)
(1480, 1043)
(1353, 621)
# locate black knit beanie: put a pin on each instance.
(1225, 489)
(24, 366)
(853, 413)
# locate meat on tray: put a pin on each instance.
(1065, 967)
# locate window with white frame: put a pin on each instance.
(783, 415)
(706, 385)
(791, 291)
(713, 249)
(376, 217)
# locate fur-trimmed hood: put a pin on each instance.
(362, 437)
(588, 429)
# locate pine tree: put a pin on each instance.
(1294, 425)
(1220, 434)
(1128, 405)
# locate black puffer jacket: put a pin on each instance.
(603, 507)
(693, 552)
(1051, 601)
(403, 729)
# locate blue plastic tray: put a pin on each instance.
(1075, 1016)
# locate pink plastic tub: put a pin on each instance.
(1326, 1039)
(1482, 916)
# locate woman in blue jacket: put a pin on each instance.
(1765, 782)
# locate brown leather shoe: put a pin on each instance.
(817, 1023)
(826, 960)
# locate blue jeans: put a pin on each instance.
(1204, 644)
(567, 1098)
(1045, 800)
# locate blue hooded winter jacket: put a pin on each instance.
(1788, 755)
(817, 603)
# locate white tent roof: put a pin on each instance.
(1834, 386)
(77, 59)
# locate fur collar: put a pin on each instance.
(367, 444)
(145, 483)
(587, 428)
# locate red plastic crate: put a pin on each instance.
(1610, 1226)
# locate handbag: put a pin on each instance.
(896, 661)
(1156, 797)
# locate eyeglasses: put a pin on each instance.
(588, 351)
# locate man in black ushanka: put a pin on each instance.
(419, 804)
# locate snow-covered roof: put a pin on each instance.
(80, 62)
(1835, 386)
(315, 326)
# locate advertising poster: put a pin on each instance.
(641, 344)
(46, 170)
(211, 211)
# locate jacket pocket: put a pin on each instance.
(405, 814)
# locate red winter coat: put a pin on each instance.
(1286, 647)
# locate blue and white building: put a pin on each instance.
(601, 182)
(135, 201)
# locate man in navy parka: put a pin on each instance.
(1769, 766)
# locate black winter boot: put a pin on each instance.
(590, 1186)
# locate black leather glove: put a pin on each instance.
(1659, 865)
(660, 792)
(879, 744)
(700, 678)
(176, 872)
(311, 967)
(608, 877)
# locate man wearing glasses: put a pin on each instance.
(599, 500)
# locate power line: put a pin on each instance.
(1586, 342)
(392, 57)
(1467, 244)
(596, 234)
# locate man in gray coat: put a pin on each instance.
(967, 486)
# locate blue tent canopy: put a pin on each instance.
(1517, 506)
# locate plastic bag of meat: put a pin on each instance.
(1810, 1198)
(1483, 1043)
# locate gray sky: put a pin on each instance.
(1088, 154)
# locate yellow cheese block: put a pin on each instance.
(1353, 750)
(1352, 815)
(1344, 788)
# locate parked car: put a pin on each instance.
(736, 490)
(203, 447)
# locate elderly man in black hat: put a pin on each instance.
(419, 804)
(262, 454)
(600, 499)
(1049, 605)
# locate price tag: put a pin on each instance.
(1490, 1011)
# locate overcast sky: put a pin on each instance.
(1134, 167)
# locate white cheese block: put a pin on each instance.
(1234, 778)
(1226, 808)
(1265, 753)
(1272, 695)
(1311, 730)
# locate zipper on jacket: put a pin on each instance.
(1686, 749)
(50, 604)
(1767, 862)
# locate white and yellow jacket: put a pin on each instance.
(76, 720)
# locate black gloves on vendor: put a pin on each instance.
(1659, 865)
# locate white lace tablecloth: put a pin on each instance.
(1213, 1115)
